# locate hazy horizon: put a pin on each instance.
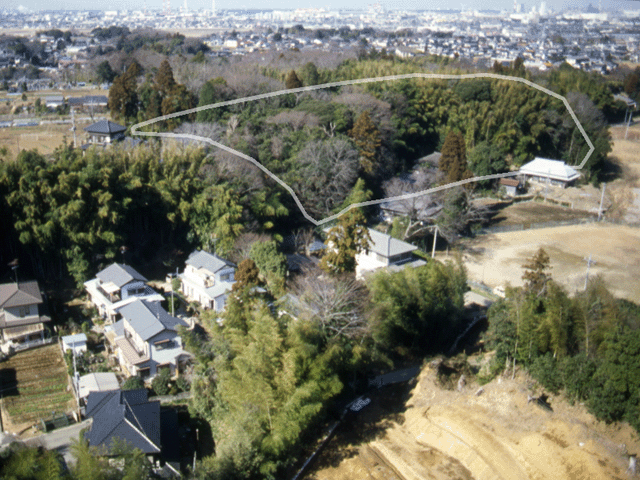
(556, 5)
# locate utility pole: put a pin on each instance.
(173, 314)
(435, 239)
(73, 128)
(601, 200)
(589, 263)
(626, 132)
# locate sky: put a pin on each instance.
(37, 5)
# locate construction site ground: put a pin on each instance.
(424, 431)
(497, 259)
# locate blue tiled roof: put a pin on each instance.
(105, 127)
(124, 415)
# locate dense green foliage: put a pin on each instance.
(74, 213)
(587, 346)
(417, 308)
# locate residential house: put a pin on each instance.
(20, 320)
(549, 172)
(207, 279)
(116, 286)
(146, 339)
(385, 252)
(123, 416)
(77, 343)
(129, 417)
(104, 132)
(54, 101)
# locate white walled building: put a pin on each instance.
(207, 279)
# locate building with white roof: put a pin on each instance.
(207, 279)
(97, 382)
(77, 342)
(550, 172)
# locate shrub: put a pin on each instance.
(133, 383)
(160, 383)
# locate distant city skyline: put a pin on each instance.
(556, 5)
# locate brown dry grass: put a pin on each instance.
(497, 259)
(44, 138)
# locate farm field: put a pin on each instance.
(34, 384)
(44, 138)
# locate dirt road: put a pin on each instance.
(497, 259)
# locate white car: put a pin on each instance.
(359, 404)
(499, 291)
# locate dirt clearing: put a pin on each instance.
(446, 434)
(497, 259)
(44, 138)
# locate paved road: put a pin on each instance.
(60, 439)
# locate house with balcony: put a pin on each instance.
(21, 323)
(207, 279)
(146, 339)
(116, 286)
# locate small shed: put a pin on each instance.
(511, 186)
(76, 342)
(97, 382)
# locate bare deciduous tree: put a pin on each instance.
(336, 303)
(328, 171)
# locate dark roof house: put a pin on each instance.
(126, 416)
(20, 319)
(104, 132)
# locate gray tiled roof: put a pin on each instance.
(149, 318)
(105, 127)
(388, 246)
(208, 261)
(119, 274)
(126, 415)
(22, 293)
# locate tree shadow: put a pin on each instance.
(8, 383)
(612, 169)
(388, 405)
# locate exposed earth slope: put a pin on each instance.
(496, 435)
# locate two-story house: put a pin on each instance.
(146, 339)
(386, 252)
(116, 286)
(20, 319)
(207, 279)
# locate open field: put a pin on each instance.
(534, 212)
(34, 384)
(44, 138)
(440, 434)
(497, 259)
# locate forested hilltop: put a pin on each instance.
(268, 373)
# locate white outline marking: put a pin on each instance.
(340, 84)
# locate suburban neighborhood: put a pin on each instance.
(316, 243)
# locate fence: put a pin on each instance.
(31, 344)
(536, 225)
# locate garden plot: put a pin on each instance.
(34, 384)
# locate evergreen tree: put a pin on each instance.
(367, 138)
(453, 161)
(536, 273)
(246, 276)
(292, 80)
(164, 81)
(344, 241)
(123, 97)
